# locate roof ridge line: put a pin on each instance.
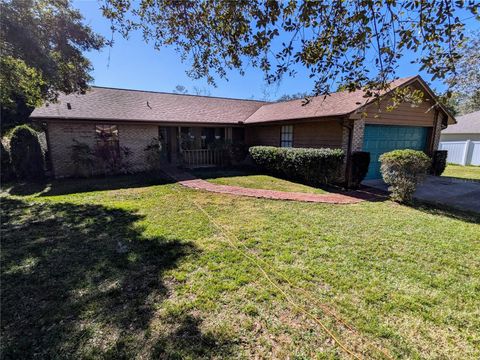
(172, 93)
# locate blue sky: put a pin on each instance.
(134, 64)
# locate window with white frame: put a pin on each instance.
(286, 136)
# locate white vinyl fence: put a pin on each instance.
(462, 152)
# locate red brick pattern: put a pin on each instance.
(358, 131)
(62, 136)
(189, 181)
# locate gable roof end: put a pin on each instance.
(336, 104)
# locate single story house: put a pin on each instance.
(187, 127)
(462, 140)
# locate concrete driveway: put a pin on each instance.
(453, 192)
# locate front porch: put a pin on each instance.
(198, 146)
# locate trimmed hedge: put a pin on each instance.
(360, 160)
(403, 170)
(27, 155)
(314, 166)
(439, 162)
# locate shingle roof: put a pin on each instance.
(335, 104)
(134, 105)
(101, 103)
(466, 124)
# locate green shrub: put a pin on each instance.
(125, 166)
(101, 160)
(360, 160)
(83, 159)
(153, 154)
(27, 155)
(7, 173)
(314, 166)
(439, 162)
(403, 170)
(112, 159)
(237, 152)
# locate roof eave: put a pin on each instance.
(134, 121)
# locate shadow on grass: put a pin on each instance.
(70, 186)
(188, 341)
(82, 281)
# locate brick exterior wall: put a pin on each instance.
(263, 135)
(62, 135)
(345, 138)
(357, 137)
(437, 132)
(305, 134)
(136, 138)
(328, 134)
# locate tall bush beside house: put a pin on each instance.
(83, 159)
(403, 170)
(7, 173)
(153, 154)
(314, 166)
(27, 155)
(360, 160)
(439, 162)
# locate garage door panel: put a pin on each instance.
(379, 139)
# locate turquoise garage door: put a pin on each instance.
(379, 139)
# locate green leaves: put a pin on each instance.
(403, 170)
(42, 44)
(17, 79)
(336, 41)
(315, 166)
(27, 154)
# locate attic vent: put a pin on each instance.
(69, 106)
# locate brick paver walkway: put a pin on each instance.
(192, 182)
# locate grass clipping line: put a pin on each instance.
(287, 297)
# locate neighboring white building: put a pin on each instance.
(462, 140)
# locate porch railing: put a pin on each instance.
(203, 157)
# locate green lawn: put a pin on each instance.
(255, 181)
(466, 172)
(163, 271)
